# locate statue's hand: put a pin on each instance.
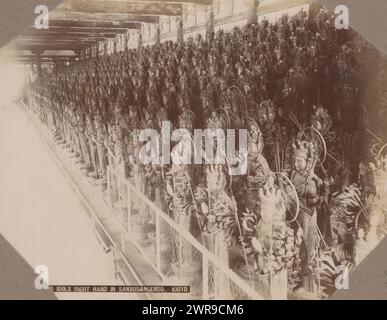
(169, 189)
(257, 245)
(273, 205)
(204, 208)
(211, 218)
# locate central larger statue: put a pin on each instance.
(308, 186)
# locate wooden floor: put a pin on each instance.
(131, 267)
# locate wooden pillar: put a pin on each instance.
(38, 58)
(126, 42)
(252, 13)
(78, 53)
(158, 35)
(39, 64)
(139, 43)
(210, 31)
(81, 54)
(71, 60)
(115, 45)
(97, 50)
(180, 30)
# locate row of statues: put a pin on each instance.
(300, 201)
(277, 230)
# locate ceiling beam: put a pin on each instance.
(53, 40)
(54, 34)
(56, 47)
(94, 6)
(31, 56)
(49, 42)
(29, 62)
(66, 40)
(82, 30)
(49, 46)
(53, 46)
(12, 53)
(82, 19)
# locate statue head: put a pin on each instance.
(321, 120)
(215, 121)
(255, 137)
(266, 113)
(186, 120)
(247, 89)
(304, 155)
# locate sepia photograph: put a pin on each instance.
(192, 150)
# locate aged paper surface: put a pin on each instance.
(204, 149)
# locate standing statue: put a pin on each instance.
(180, 31)
(273, 244)
(379, 178)
(308, 187)
(136, 167)
(179, 178)
(219, 213)
(210, 30)
(100, 137)
(120, 164)
(271, 131)
(348, 88)
(91, 136)
(140, 211)
(182, 205)
(258, 170)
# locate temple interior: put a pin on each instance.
(311, 98)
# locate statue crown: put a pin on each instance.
(215, 122)
(304, 149)
(186, 119)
